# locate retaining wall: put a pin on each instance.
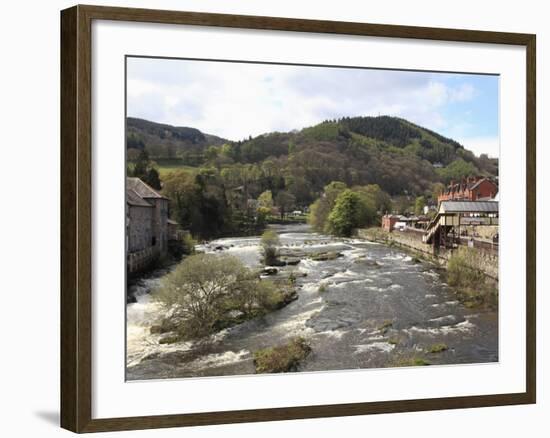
(484, 261)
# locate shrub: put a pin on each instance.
(386, 325)
(474, 288)
(408, 361)
(203, 288)
(282, 358)
(438, 348)
(459, 269)
(269, 242)
(188, 244)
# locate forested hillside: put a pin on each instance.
(405, 160)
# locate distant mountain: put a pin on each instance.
(396, 154)
(166, 141)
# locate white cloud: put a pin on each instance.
(489, 145)
(235, 100)
(462, 93)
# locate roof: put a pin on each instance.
(469, 207)
(142, 189)
(132, 198)
(477, 183)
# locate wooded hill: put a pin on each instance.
(399, 156)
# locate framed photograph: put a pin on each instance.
(270, 218)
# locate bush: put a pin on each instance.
(188, 244)
(459, 269)
(351, 210)
(473, 287)
(283, 358)
(407, 361)
(386, 325)
(269, 243)
(204, 288)
(438, 348)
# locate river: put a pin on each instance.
(372, 307)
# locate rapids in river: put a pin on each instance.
(372, 307)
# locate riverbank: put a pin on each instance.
(484, 261)
(361, 305)
(472, 272)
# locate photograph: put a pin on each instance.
(288, 218)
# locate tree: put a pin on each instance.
(381, 199)
(204, 287)
(402, 204)
(142, 164)
(153, 179)
(419, 204)
(266, 199)
(367, 214)
(270, 242)
(350, 211)
(196, 288)
(437, 189)
(320, 209)
(457, 170)
(285, 201)
(211, 153)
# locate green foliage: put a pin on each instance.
(270, 242)
(385, 128)
(266, 199)
(326, 131)
(210, 181)
(144, 169)
(198, 202)
(134, 141)
(340, 209)
(285, 201)
(283, 358)
(473, 287)
(438, 348)
(351, 210)
(392, 153)
(344, 216)
(205, 287)
(382, 201)
(386, 325)
(321, 208)
(459, 269)
(457, 170)
(405, 361)
(419, 204)
(211, 153)
(437, 189)
(188, 244)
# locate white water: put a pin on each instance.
(342, 305)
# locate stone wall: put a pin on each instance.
(486, 261)
(139, 228)
(141, 260)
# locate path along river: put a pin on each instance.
(344, 309)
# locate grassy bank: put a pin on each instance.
(473, 287)
(282, 358)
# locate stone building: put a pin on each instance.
(146, 225)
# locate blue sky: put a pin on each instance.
(235, 100)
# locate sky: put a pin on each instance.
(238, 100)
